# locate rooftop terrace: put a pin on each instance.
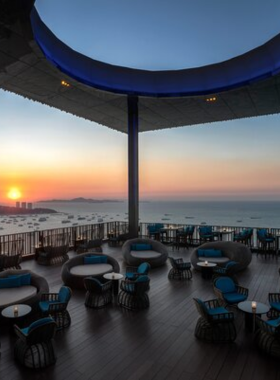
(153, 344)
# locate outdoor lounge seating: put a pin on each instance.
(55, 305)
(180, 270)
(137, 251)
(216, 324)
(34, 348)
(91, 244)
(75, 270)
(184, 237)
(51, 255)
(26, 287)
(133, 293)
(10, 262)
(266, 239)
(228, 270)
(154, 230)
(99, 292)
(244, 236)
(206, 233)
(274, 302)
(229, 292)
(227, 251)
(132, 273)
(268, 336)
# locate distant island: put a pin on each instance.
(8, 210)
(80, 200)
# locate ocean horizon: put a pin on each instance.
(217, 213)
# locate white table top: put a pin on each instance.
(204, 265)
(22, 310)
(113, 276)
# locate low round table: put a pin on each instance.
(206, 269)
(115, 277)
(22, 311)
(250, 313)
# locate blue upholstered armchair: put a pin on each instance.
(55, 304)
(216, 323)
(132, 273)
(154, 230)
(133, 294)
(180, 269)
(99, 292)
(268, 336)
(34, 348)
(206, 233)
(244, 236)
(266, 239)
(229, 292)
(229, 270)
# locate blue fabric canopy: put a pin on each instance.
(260, 63)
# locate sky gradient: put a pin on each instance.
(47, 153)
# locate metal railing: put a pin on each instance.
(27, 242)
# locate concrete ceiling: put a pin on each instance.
(24, 70)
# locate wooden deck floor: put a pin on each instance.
(154, 344)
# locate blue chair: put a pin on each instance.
(99, 292)
(206, 233)
(228, 270)
(154, 230)
(266, 240)
(229, 292)
(55, 304)
(132, 273)
(184, 236)
(216, 323)
(245, 236)
(34, 348)
(180, 270)
(268, 336)
(274, 302)
(133, 294)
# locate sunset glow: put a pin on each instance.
(14, 193)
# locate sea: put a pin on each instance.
(217, 213)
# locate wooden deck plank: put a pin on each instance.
(153, 344)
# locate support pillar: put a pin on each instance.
(133, 170)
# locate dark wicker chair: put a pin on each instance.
(34, 348)
(274, 301)
(133, 294)
(132, 273)
(228, 292)
(216, 324)
(180, 270)
(55, 304)
(268, 336)
(229, 270)
(99, 292)
(91, 244)
(53, 255)
(10, 262)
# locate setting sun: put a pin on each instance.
(14, 193)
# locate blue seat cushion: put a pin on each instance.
(217, 310)
(64, 294)
(143, 268)
(10, 282)
(225, 285)
(25, 279)
(275, 305)
(39, 322)
(209, 253)
(93, 259)
(274, 322)
(141, 247)
(45, 305)
(143, 278)
(234, 297)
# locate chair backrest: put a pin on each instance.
(41, 330)
(201, 307)
(92, 284)
(143, 268)
(225, 284)
(64, 294)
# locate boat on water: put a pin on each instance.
(42, 219)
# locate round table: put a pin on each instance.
(115, 277)
(250, 313)
(15, 317)
(206, 269)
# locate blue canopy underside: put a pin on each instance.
(260, 63)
